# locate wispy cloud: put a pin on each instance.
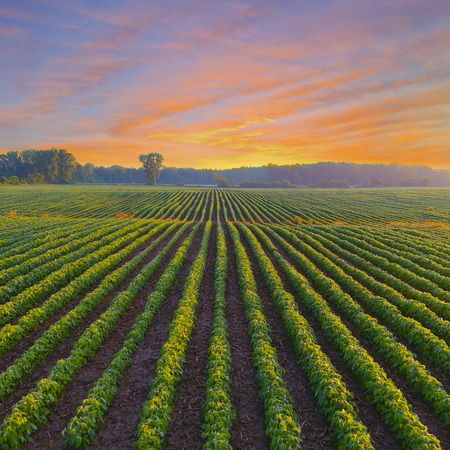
(219, 84)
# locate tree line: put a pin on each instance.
(320, 175)
(37, 166)
(60, 166)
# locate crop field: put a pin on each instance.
(189, 318)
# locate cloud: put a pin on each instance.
(254, 82)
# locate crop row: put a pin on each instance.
(32, 410)
(361, 206)
(73, 266)
(282, 425)
(39, 245)
(58, 332)
(419, 337)
(156, 413)
(27, 264)
(110, 256)
(407, 247)
(218, 410)
(331, 393)
(388, 284)
(390, 288)
(397, 355)
(381, 391)
(409, 272)
(82, 428)
(24, 234)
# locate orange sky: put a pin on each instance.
(219, 85)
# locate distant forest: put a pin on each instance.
(61, 167)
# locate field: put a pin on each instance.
(185, 318)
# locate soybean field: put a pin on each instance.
(188, 318)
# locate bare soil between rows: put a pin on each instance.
(378, 430)
(119, 428)
(78, 390)
(314, 428)
(187, 415)
(248, 432)
(27, 341)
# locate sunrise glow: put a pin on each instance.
(227, 84)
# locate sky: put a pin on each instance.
(218, 84)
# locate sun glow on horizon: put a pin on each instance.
(217, 85)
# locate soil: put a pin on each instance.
(187, 415)
(248, 430)
(64, 348)
(78, 390)
(367, 413)
(121, 422)
(194, 208)
(27, 341)
(414, 399)
(435, 372)
(222, 209)
(10, 356)
(315, 432)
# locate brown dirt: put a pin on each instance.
(315, 432)
(121, 422)
(435, 372)
(208, 207)
(78, 390)
(64, 348)
(233, 208)
(187, 415)
(415, 400)
(38, 304)
(222, 210)
(367, 413)
(194, 208)
(248, 432)
(27, 341)
(214, 213)
(183, 214)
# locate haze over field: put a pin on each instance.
(219, 85)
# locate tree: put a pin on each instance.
(35, 178)
(377, 182)
(233, 183)
(15, 162)
(285, 183)
(367, 183)
(220, 180)
(89, 168)
(67, 165)
(424, 181)
(46, 163)
(152, 164)
(408, 179)
(392, 182)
